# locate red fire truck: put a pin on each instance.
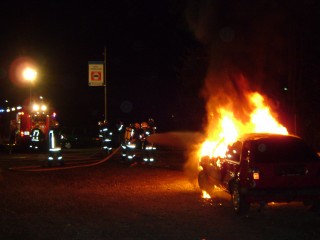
(27, 126)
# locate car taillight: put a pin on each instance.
(256, 175)
(24, 133)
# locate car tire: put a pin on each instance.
(203, 182)
(240, 205)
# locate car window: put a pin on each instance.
(283, 150)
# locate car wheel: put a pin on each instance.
(240, 205)
(68, 145)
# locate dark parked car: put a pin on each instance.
(262, 168)
(80, 138)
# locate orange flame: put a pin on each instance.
(262, 119)
(205, 195)
(229, 127)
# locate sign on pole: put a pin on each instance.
(96, 74)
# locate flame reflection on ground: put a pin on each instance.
(205, 195)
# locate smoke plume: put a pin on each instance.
(245, 43)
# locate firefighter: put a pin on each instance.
(105, 134)
(134, 146)
(152, 126)
(147, 147)
(12, 137)
(37, 138)
(118, 137)
(126, 141)
(137, 134)
(54, 147)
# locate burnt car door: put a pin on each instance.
(230, 164)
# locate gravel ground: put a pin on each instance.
(116, 201)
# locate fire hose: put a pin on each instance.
(42, 169)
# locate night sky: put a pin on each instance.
(144, 41)
(159, 54)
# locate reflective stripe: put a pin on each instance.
(55, 149)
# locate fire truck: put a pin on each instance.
(27, 126)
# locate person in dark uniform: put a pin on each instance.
(12, 137)
(118, 136)
(134, 146)
(105, 133)
(37, 138)
(147, 147)
(54, 147)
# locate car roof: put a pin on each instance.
(257, 136)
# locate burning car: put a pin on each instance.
(262, 168)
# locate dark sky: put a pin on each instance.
(144, 42)
(159, 53)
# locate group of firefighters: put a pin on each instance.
(132, 139)
(41, 131)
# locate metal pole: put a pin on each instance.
(105, 84)
(30, 96)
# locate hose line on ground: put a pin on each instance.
(42, 169)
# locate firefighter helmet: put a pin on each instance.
(151, 121)
(144, 125)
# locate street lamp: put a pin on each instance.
(30, 75)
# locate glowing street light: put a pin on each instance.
(30, 75)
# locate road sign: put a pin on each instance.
(96, 74)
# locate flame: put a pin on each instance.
(261, 119)
(205, 195)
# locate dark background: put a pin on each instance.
(161, 56)
(144, 42)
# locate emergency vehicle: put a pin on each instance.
(27, 126)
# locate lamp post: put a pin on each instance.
(30, 75)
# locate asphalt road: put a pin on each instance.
(117, 200)
(23, 158)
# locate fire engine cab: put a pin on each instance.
(30, 126)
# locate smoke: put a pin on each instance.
(247, 48)
(177, 140)
(188, 142)
(245, 43)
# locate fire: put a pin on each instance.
(229, 127)
(262, 119)
(215, 189)
(205, 195)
